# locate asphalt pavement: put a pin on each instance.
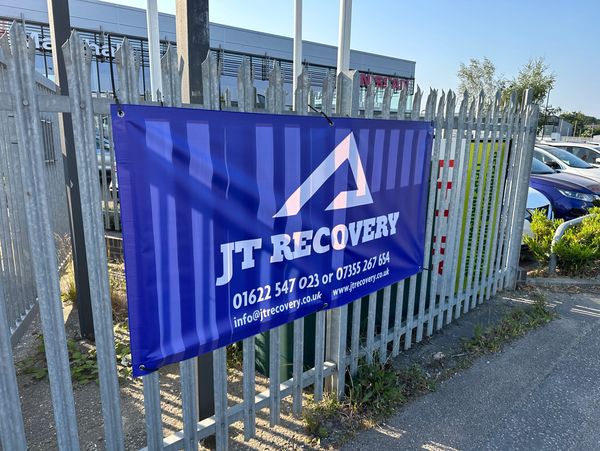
(541, 393)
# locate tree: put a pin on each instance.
(534, 75)
(583, 123)
(479, 75)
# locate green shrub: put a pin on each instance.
(576, 251)
(579, 247)
(375, 388)
(543, 230)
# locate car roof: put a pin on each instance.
(568, 143)
(544, 151)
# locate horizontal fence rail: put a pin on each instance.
(480, 167)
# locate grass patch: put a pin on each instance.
(514, 325)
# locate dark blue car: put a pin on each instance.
(571, 195)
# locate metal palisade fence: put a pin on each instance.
(15, 253)
(480, 165)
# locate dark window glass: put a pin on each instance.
(537, 167)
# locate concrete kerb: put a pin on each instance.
(562, 282)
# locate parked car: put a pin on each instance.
(564, 161)
(588, 152)
(570, 195)
(536, 201)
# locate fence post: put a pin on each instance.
(128, 92)
(275, 100)
(426, 274)
(531, 112)
(461, 163)
(20, 64)
(301, 104)
(78, 63)
(59, 24)
(188, 369)
(337, 319)
(513, 119)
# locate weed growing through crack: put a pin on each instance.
(372, 394)
(416, 381)
(317, 416)
(375, 389)
(514, 325)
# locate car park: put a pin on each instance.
(570, 195)
(588, 152)
(563, 161)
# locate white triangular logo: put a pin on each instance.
(344, 151)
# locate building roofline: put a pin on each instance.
(264, 33)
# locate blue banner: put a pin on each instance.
(235, 223)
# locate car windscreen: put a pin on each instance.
(568, 158)
(537, 167)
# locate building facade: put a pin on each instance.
(97, 20)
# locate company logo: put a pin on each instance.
(45, 43)
(344, 151)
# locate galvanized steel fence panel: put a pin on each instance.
(15, 249)
(479, 179)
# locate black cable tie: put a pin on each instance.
(120, 111)
(321, 113)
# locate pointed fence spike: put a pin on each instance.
(441, 104)
(416, 106)
(402, 99)
(274, 94)
(387, 101)
(369, 105)
(327, 95)
(246, 90)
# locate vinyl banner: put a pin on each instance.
(235, 223)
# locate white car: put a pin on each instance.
(588, 152)
(535, 201)
(563, 161)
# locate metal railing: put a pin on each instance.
(477, 193)
(15, 249)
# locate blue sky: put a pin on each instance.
(440, 34)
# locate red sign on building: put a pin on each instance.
(381, 81)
